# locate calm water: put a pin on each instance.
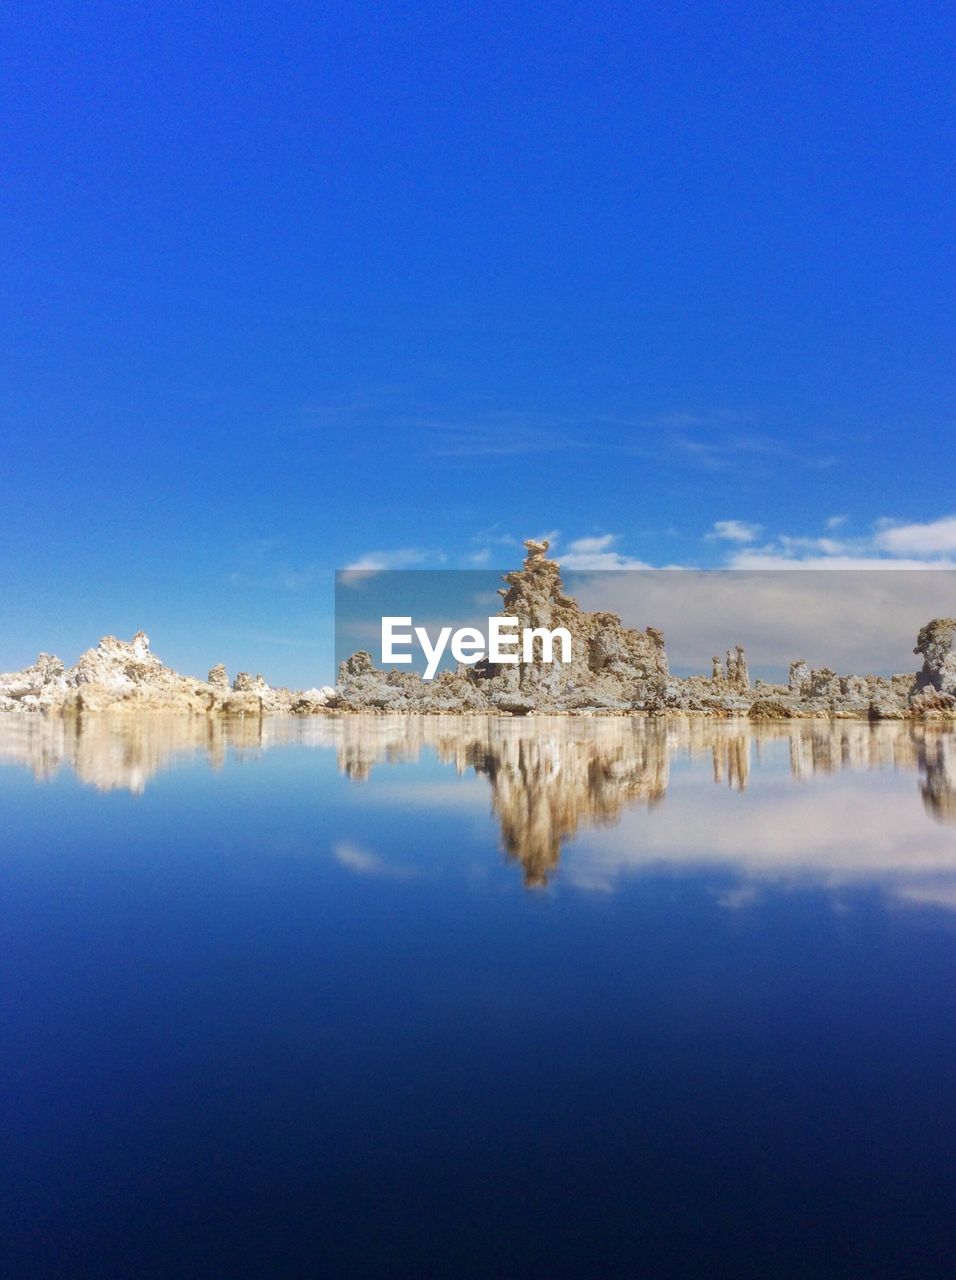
(422, 998)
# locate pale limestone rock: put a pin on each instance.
(37, 686)
(798, 681)
(125, 676)
(120, 665)
(309, 701)
(936, 643)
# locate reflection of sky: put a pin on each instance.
(588, 803)
(294, 963)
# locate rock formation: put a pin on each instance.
(120, 675)
(613, 669)
(737, 674)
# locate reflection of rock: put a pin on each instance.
(936, 753)
(552, 776)
(127, 676)
(545, 785)
(120, 753)
(549, 777)
(732, 760)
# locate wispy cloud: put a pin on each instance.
(263, 565)
(501, 434)
(373, 562)
(734, 452)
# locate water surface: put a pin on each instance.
(477, 997)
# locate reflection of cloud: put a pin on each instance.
(933, 893)
(456, 794)
(847, 829)
(742, 896)
(363, 863)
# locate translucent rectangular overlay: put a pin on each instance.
(861, 622)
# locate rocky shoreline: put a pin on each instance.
(126, 676)
(614, 671)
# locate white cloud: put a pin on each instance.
(734, 531)
(597, 553)
(932, 538)
(888, 545)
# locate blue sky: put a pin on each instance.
(289, 288)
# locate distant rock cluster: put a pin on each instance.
(120, 675)
(614, 670)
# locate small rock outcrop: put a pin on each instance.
(936, 643)
(218, 676)
(798, 682)
(737, 675)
